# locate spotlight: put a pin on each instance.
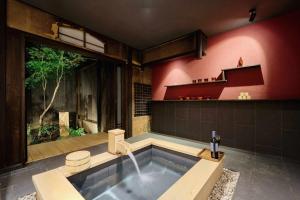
(252, 13)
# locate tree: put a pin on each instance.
(45, 64)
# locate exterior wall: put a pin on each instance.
(273, 43)
(65, 101)
(84, 105)
(140, 124)
(87, 99)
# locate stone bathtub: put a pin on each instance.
(173, 171)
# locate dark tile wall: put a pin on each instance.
(271, 127)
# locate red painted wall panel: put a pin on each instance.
(273, 43)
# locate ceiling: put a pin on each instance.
(144, 23)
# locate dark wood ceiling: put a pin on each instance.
(144, 23)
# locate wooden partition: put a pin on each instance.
(12, 113)
(263, 126)
(13, 134)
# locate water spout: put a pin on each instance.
(124, 148)
(117, 145)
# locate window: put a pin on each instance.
(93, 43)
(71, 35)
(80, 38)
(142, 99)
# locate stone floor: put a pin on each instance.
(262, 177)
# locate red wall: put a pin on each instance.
(274, 44)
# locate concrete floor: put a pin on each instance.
(262, 177)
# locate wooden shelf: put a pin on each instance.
(221, 81)
(227, 100)
(201, 83)
(241, 68)
(205, 154)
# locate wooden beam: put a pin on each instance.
(173, 57)
(2, 81)
(29, 19)
(61, 45)
(189, 44)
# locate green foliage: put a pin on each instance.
(46, 63)
(48, 130)
(76, 132)
(28, 131)
(45, 133)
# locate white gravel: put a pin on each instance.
(225, 187)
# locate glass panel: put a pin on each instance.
(91, 39)
(95, 48)
(75, 33)
(71, 40)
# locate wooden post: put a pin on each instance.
(64, 123)
(14, 134)
(2, 80)
(127, 95)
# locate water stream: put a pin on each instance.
(131, 156)
(145, 178)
